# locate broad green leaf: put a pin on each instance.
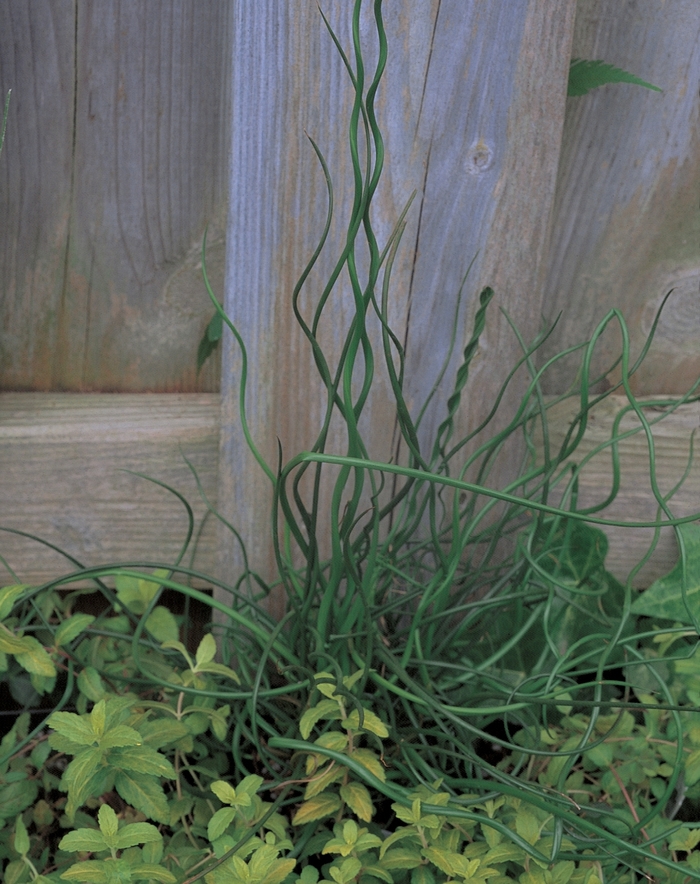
(178, 646)
(8, 597)
(316, 809)
(74, 727)
(71, 628)
(35, 659)
(346, 871)
(281, 869)
(249, 785)
(219, 669)
(158, 732)
(684, 839)
(370, 722)
(206, 650)
(358, 799)
(137, 833)
(77, 775)
(121, 735)
(92, 872)
(371, 761)
(152, 872)
(109, 824)
(601, 755)
(98, 717)
(324, 709)
(221, 820)
(399, 835)
(401, 858)
(21, 837)
(90, 684)
(162, 625)
(15, 797)
(665, 598)
(145, 794)
(143, 759)
(587, 75)
(323, 779)
(83, 840)
(336, 740)
(445, 860)
(136, 593)
(692, 768)
(527, 826)
(422, 875)
(224, 792)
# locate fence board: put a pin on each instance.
(627, 227)
(115, 159)
(471, 110)
(62, 478)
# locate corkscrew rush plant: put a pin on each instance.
(470, 634)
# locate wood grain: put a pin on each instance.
(115, 160)
(471, 121)
(627, 225)
(62, 479)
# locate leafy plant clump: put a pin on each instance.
(457, 691)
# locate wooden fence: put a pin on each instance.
(122, 119)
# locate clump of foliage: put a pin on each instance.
(459, 691)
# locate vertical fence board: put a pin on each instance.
(116, 155)
(627, 226)
(471, 109)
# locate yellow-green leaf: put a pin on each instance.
(370, 722)
(8, 597)
(137, 833)
(279, 871)
(206, 650)
(371, 761)
(401, 858)
(83, 840)
(319, 807)
(71, 628)
(357, 797)
(162, 625)
(35, 659)
(320, 781)
(325, 709)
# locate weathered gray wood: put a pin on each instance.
(471, 109)
(61, 478)
(627, 226)
(114, 162)
(635, 501)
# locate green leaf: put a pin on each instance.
(206, 651)
(120, 736)
(71, 628)
(143, 759)
(21, 837)
(665, 598)
(324, 709)
(8, 597)
(15, 797)
(586, 75)
(219, 669)
(401, 858)
(92, 872)
(221, 820)
(224, 792)
(90, 684)
(137, 833)
(145, 794)
(357, 797)
(371, 761)
(527, 826)
(178, 646)
(34, 658)
(152, 872)
(84, 841)
(77, 775)
(162, 625)
(316, 809)
(370, 722)
(161, 731)
(346, 871)
(109, 824)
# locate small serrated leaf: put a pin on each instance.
(316, 809)
(586, 75)
(221, 820)
(137, 833)
(8, 596)
(145, 794)
(109, 824)
(325, 709)
(21, 837)
(71, 628)
(358, 799)
(83, 841)
(35, 659)
(370, 722)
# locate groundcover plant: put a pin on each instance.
(458, 691)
